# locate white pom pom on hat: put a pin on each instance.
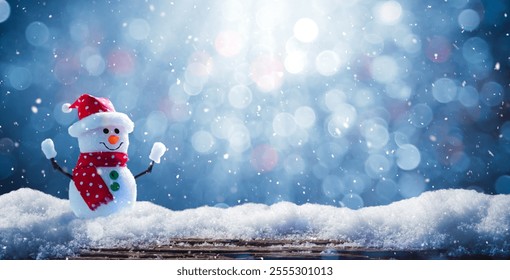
(66, 108)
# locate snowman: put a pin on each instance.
(101, 184)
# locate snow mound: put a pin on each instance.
(37, 225)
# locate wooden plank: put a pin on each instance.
(194, 248)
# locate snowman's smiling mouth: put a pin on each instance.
(114, 149)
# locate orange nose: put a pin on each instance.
(113, 139)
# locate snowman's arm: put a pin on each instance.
(158, 149)
(48, 149)
(147, 171)
(56, 166)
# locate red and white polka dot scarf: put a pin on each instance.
(89, 183)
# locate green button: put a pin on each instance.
(114, 175)
(115, 186)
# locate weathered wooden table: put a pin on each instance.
(216, 249)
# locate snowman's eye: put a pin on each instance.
(117, 130)
(105, 131)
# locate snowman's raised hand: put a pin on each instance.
(48, 148)
(50, 153)
(157, 151)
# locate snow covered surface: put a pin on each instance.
(36, 225)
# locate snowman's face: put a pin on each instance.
(104, 139)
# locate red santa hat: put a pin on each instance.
(95, 112)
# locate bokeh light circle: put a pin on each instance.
(388, 12)
(444, 90)
(121, 62)
(327, 63)
(264, 158)
(267, 72)
(334, 99)
(20, 78)
(203, 142)
(475, 50)
(294, 164)
(468, 96)
(295, 62)
(139, 29)
(79, 31)
(408, 157)
(306, 30)
(284, 124)
(333, 186)
(377, 165)
(240, 96)
(421, 115)
(304, 116)
(7, 145)
(37, 33)
(156, 124)
(95, 65)
(239, 138)
(411, 43)
(438, 49)
(196, 75)
(468, 20)
(364, 98)
(376, 134)
(492, 94)
(5, 10)
(384, 69)
(341, 121)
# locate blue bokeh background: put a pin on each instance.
(347, 103)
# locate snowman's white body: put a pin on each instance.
(124, 197)
(95, 140)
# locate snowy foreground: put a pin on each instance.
(37, 225)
